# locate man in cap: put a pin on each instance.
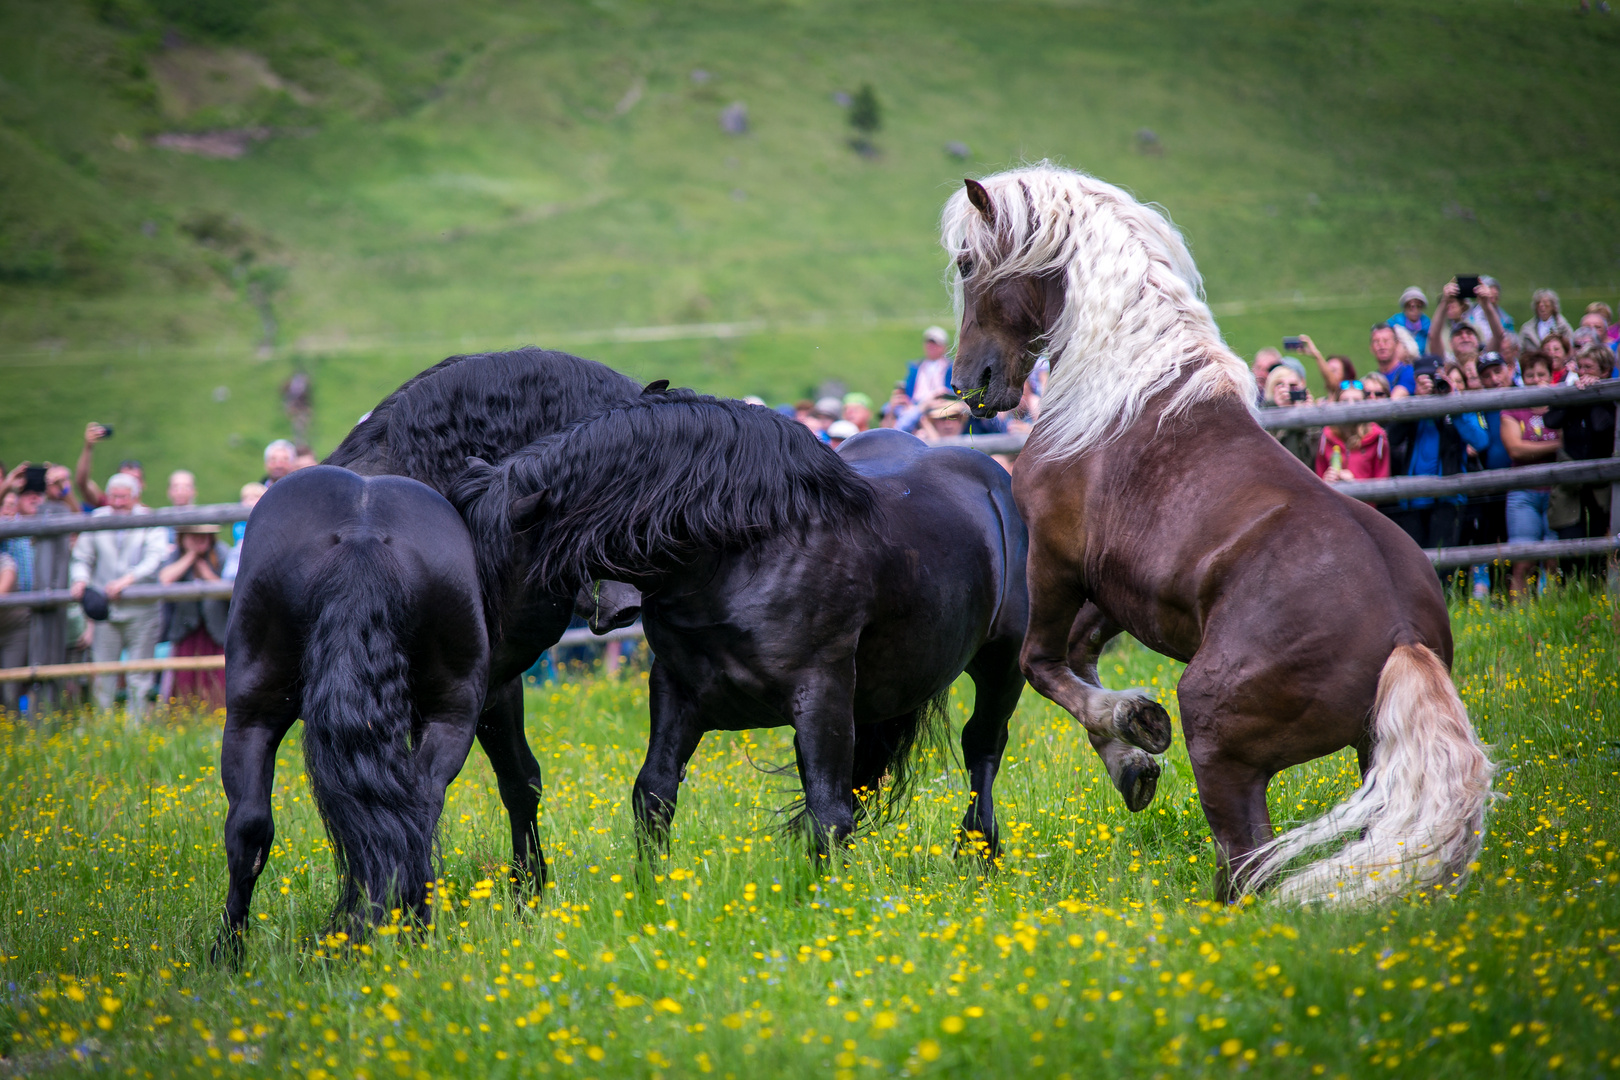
(928, 378)
(105, 563)
(1411, 316)
(858, 410)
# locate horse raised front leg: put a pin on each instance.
(517, 774)
(673, 738)
(1132, 770)
(247, 769)
(1131, 715)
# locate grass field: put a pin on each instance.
(1091, 951)
(445, 177)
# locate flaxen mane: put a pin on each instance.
(1134, 321)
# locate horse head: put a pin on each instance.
(1005, 316)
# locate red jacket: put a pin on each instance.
(1371, 462)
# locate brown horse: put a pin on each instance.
(1158, 506)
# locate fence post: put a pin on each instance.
(1614, 530)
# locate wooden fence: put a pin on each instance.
(1305, 416)
(1396, 488)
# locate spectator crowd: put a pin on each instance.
(98, 566)
(1469, 343)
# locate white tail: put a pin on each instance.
(1419, 815)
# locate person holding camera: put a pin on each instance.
(1285, 388)
(196, 627)
(1435, 446)
(1457, 335)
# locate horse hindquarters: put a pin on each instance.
(1418, 818)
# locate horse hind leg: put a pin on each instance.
(248, 771)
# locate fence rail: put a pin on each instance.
(167, 517)
(1601, 470)
(1524, 551)
(42, 672)
(1430, 406)
(45, 599)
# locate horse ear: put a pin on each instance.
(980, 199)
(657, 386)
(476, 462)
(526, 511)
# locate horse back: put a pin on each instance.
(485, 405)
(1208, 520)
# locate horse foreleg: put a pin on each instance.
(247, 768)
(997, 684)
(1057, 610)
(517, 775)
(673, 737)
(823, 714)
(1133, 770)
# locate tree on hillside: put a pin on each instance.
(866, 117)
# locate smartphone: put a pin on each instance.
(1298, 393)
(1293, 344)
(106, 430)
(1467, 286)
(34, 478)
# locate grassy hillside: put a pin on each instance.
(442, 177)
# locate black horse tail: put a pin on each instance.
(357, 730)
(641, 488)
(885, 758)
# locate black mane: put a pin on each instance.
(641, 488)
(479, 405)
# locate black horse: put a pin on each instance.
(356, 607)
(487, 404)
(783, 583)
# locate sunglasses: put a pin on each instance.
(1352, 384)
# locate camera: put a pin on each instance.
(1298, 393)
(1467, 286)
(1293, 344)
(34, 479)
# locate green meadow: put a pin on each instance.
(1090, 950)
(436, 178)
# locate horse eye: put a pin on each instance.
(964, 266)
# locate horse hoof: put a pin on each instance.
(1139, 782)
(1143, 722)
(227, 951)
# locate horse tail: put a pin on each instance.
(1418, 818)
(887, 749)
(357, 729)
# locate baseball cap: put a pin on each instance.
(855, 397)
(1292, 364)
(937, 335)
(830, 406)
(1414, 293)
(1426, 365)
(842, 429)
(1489, 360)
